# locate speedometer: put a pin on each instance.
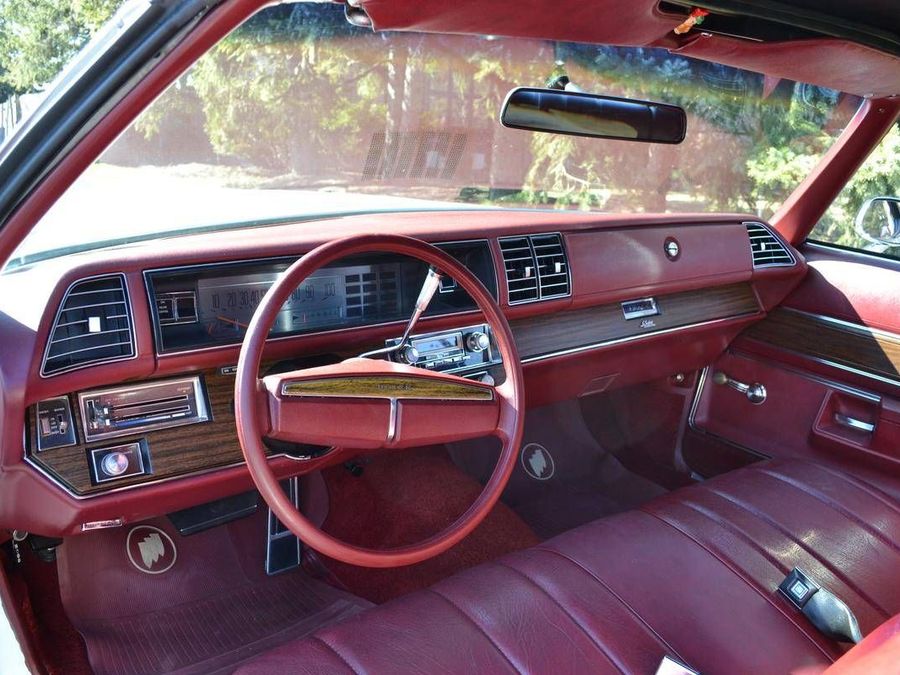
(226, 304)
(207, 305)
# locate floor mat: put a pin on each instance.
(403, 498)
(573, 479)
(214, 608)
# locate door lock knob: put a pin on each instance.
(755, 392)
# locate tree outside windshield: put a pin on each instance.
(298, 113)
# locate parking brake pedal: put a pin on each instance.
(827, 612)
(282, 547)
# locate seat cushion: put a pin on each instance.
(691, 575)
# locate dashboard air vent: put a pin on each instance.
(93, 325)
(536, 267)
(521, 272)
(767, 250)
(552, 265)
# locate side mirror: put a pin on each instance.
(878, 221)
(578, 113)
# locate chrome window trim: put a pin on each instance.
(868, 257)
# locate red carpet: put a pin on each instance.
(212, 610)
(403, 498)
(35, 585)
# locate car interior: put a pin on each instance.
(411, 337)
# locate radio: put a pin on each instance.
(129, 410)
(460, 351)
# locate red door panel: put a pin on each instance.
(829, 359)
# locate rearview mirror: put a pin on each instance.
(878, 221)
(593, 115)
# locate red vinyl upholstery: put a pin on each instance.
(692, 575)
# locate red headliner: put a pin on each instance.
(833, 63)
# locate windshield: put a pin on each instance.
(298, 114)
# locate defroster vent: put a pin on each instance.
(536, 268)
(93, 325)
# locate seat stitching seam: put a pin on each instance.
(336, 653)
(738, 531)
(864, 486)
(821, 560)
(619, 598)
(821, 497)
(603, 648)
(743, 578)
(478, 626)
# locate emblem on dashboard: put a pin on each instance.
(537, 461)
(150, 550)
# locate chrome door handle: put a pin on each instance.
(755, 392)
(853, 423)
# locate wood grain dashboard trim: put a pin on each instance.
(175, 452)
(387, 386)
(832, 341)
(578, 330)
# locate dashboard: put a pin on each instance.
(120, 378)
(207, 305)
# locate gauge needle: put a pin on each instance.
(233, 322)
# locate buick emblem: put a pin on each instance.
(537, 461)
(150, 549)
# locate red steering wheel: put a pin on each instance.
(371, 405)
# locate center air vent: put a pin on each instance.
(93, 325)
(536, 268)
(766, 248)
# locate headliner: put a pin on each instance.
(835, 62)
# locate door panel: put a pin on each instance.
(829, 359)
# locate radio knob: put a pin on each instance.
(410, 355)
(477, 341)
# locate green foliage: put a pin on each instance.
(39, 37)
(293, 96)
(879, 176)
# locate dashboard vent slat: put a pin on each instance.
(93, 325)
(536, 267)
(766, 249)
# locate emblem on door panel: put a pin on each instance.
(150, 550)
(537, 461)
